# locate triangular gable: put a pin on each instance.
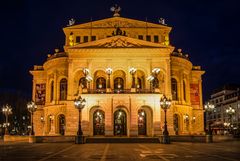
(118, 22)
(118, 42)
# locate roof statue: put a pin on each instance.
(116, 9)
(71, 22)
(162, 21)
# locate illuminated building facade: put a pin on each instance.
(121, 67)
(222, 99)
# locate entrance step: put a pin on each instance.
(122, 140)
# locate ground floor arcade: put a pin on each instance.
(117, 115)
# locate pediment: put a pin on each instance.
(118, 22)
(119, 42)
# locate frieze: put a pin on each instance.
(118, 23)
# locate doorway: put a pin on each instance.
(98, 122)
(61, 119)
(142, 122)
(176, 123)
(120, 123)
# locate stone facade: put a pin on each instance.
(119, 103)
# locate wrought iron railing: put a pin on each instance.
(120, 91)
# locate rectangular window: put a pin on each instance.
(140, 37)
(93, 38)
(148, 38)
(78, 39)
(85, 39)
(156, 39)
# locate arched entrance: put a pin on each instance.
(120, 123)
(176, 123)
(98, 122)
(142, 122)
(61, 119)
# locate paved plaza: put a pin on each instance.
(229, 151)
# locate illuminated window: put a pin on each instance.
(148, 38)
(85, 39)
(184, 91)
(156, 39)
(52, 91)
(118, 85)
(174, 89)
(140, 37)
(155, 83)
(139, 83)
(93, 38)
(101, 83)
(82, 83)
(78, 38)
(63, 89)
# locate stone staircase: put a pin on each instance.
(122, 140)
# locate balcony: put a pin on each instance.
(121, 91)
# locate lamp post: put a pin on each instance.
(7, 110)
(31, 106)
(209, 108)
(79, 104)
(109, 72)
(226, 125)
(132, 71)
(230, 112)
(165, 104)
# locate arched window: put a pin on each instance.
(52, 91)
(139, 83)
(155, 83)
(184, 91)
(82, 82)
(101, 83)
(174, 89)
(118, 84)
(63, 89)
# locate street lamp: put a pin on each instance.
(230, 111)
(32, 107)
(79, 104)
(109, 72)
(7, 110)
(132, 71)
(165, 104)
(156, 71)
(226, 125)
(209, 108)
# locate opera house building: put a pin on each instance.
(121, 68)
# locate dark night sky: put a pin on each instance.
(208, 30)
